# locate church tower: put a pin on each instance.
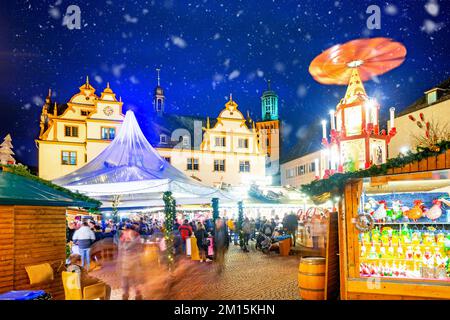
(269, 104)
(158, 97)
(269, 133)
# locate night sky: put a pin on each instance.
(206, 49)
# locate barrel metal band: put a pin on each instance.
(311, 274)
(307, 289)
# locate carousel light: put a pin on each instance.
(369, 106)
(332, 120)
(391, 112)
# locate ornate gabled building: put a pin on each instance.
(73, 133)
(228, 150)
(250, 150)
(221, 151)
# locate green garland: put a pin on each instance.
(215, 207)
(23, 171)
(169, 212)
(335, 183)
(239, 223)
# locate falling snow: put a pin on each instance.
(207, 49)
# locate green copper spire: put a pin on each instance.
(269, 104)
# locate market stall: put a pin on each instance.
(80, 214)
(395, 233)
(33, 231)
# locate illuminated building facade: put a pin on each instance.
(73, 133)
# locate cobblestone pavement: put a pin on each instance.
(247, 276)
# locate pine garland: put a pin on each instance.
(335, 183)
(239, 223)
(21, 170)
(215, 207)
(169, 212)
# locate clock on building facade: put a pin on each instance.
(108, 111)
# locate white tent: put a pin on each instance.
(131, 171)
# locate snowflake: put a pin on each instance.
(391, 10)
(117, 70)
(98, 79)
(432, 7)
(179, 42)
(234, 74)
(130, 19)
(431, 26)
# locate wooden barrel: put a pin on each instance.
(311, 278)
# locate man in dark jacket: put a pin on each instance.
(185, 232)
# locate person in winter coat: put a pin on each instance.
(253, 227)
(246, 231)
(185, 232)
(267, 228)
(71, 228)
(232, 231)
(84, 237)
(202, 241)
(221, 242)
(129, 262)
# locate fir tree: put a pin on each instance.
(6, 153)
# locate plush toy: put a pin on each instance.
(370, 205)
(415, 212)
(435, 211)
(397, 209)
(380, 213)
(395, 240)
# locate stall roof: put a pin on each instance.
(17, 189)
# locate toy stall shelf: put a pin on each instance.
(394, 233)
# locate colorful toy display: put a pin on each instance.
(418, 254)
(411, 238)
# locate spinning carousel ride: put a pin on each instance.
(356, 141)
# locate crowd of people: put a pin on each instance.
(128, 235)
(84, 233)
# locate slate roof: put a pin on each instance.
(422, 101)
(308, 142)
(153, 126)
(60, 106)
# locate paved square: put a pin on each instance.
(247, 276)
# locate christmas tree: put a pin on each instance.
(6, 153)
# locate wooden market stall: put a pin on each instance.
(394, 233)
(33, 231)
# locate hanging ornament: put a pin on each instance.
(364, 222)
